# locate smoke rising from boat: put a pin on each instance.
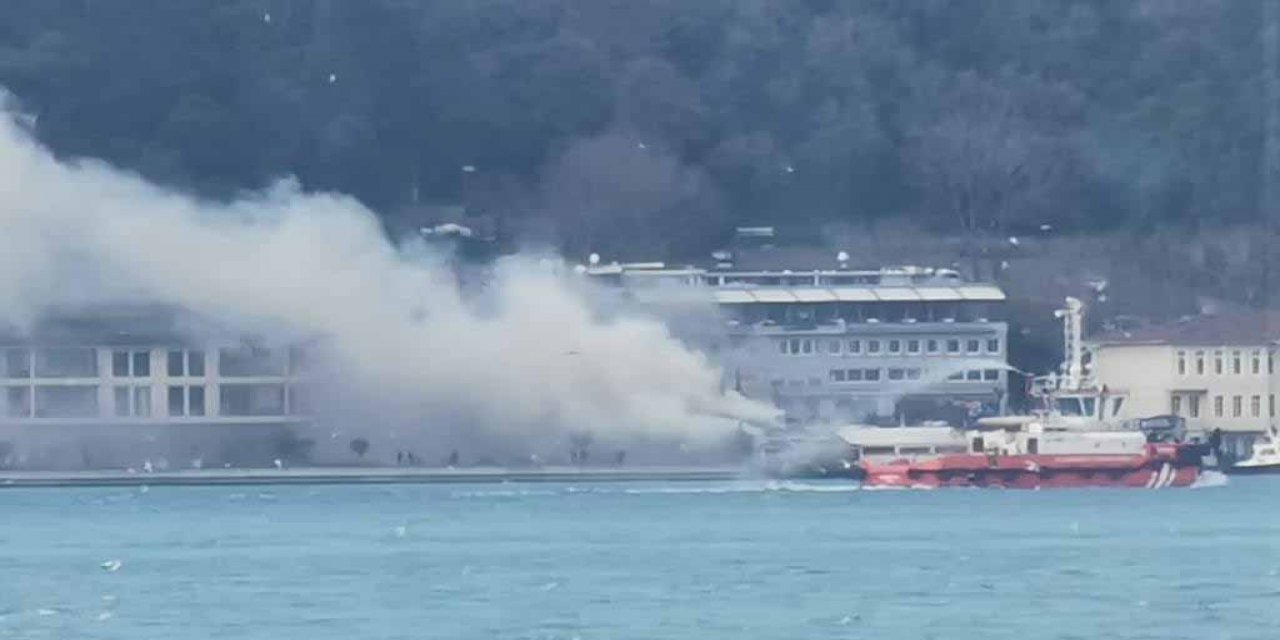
(522, 368)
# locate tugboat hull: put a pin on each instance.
(1162, 466)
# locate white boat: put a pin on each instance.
(1265, 457)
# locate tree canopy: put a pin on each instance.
(655, 126)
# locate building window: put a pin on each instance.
(132, 401)
(1235, 363)
(794, 346)
(258, 361)
(121, 395)
(956, 377)
(70, 362)
(1199, 363)
(833, 346)
(177, 399)
(854, 375)
(971, 346)
(1217, 407)
(782, 347)
(1255, 363)
(953, 346)
(299, 362)
(130, 364)
(872, 375)
(80, 401)
(973, 375)
(185, 363)
(1271, 405)
(913, 374)
(1237, 406)
(17, 402)
(993, 345)
(195, 401)
(1175, 404)
(855, 346)
(931, 346)
(991, 374)
(1195, 406)
(268, 399)
(873, 346)
(1182, 363)
(913, 346)
(299, 400)
(1217, 362)
(897, 374)
(16, 364)
(1255, 406)
(837, 375)
(142, 401)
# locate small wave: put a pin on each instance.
(766, 487)
(678, 489)
(501, 493)
(914, 487)
(1211, 479)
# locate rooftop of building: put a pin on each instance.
(1241, 328)
(115, 325)
(799, 274)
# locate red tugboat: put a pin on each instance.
(1074, 440)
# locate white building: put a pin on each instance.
(78, 383)
(842, 344)
(1217, 372)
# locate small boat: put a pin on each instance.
(1265, 457)
(802, 453)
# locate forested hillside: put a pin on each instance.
(653, 127)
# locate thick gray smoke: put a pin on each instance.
(534, 365)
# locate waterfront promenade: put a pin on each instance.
(364, 475)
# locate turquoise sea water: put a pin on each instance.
(646, 561)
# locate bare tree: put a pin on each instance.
(976, 158)
(619, 194)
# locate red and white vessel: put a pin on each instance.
(1074, 439)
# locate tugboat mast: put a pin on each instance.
(1072, 317)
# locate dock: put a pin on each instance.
(364, 475)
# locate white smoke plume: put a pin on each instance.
(534, 365)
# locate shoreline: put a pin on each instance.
(362, 475)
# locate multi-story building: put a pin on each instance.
(89, 384)
(841, 344)
(1216, 371)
